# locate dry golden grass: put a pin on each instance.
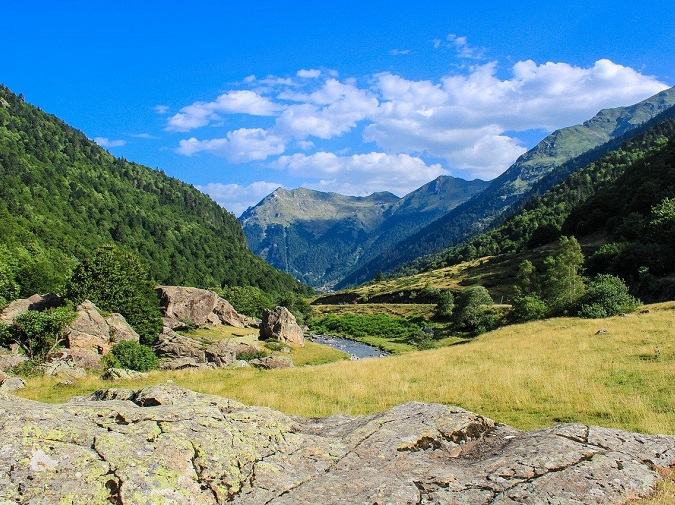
(528, 376)
(424, 310)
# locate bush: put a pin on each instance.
(469, 309)
(445, 305)
(38, 333)
(422, 340)
(249, 355)
(133, 355)
(116, 281)
(606, 296)
(529, 308)
(248, 300)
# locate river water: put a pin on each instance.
(356, 350)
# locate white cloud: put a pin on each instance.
(237, 198)
(461, 118)
(309, 74)
(397, 52)
(105, 142)
(361, 174)
(234, 102)
(463, 48)
(238, 146)
(145, 136)
(161, 109)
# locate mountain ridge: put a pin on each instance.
(515, 184)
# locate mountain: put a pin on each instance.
(62, 196)
(318, 236)
(569, 148)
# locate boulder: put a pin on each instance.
(200, 306)
(120, 330)
(63, 368)
(171, 345)
(10, 360)
(89, 330)
(115, 374)
(221, 353)
(182, 363)
(12, 384)
(35, 302)
(166, 444)
(272, 362)
(281, 325)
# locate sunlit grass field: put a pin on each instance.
(529, 376)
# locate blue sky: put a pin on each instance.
(239, 98)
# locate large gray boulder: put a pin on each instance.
(201, 306)
(35, 302)
(177, 351)
(280, 324)
(165, 444)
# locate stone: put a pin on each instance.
(115, 374)
(281, 325)
(63, 368)
(12, 384)
(165, 444)
(238, 363)
(200, 306)
(10, 360)
(181, 364)
(171, 345)
(221, 353)
(89, 330)
(35, 302)
(272, 362)
(120, 330)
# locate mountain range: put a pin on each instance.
(346, 249)
(320, 237)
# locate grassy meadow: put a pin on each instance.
(529, 376)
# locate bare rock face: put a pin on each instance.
(165, 444)
(35, 302)
(201, 306)
(281, 325)
(91, 335)
(272, 362)
(177, 351)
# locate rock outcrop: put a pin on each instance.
(35, 302)
(200, 306)
(177, 351)
(91, 335)
(164, 444)
(281, 325)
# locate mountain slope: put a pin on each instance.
(574, 147)
(318, 236)
(63, 195)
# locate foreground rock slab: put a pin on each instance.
(165, 444)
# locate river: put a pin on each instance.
(356, 350)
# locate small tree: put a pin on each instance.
(562, 283)
(470, 307)
(38, 333)
(117, 281)
(446, 304)
(606, 296)
(528, 308)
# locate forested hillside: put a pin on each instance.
(62, 196)
(559, 154)
(540, 219)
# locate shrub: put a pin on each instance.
(39, 333)
(445, 305)
(469, 309)
(422, 340)
(606, 296)
(116, 281)
(249, 355)
(248, 300)
(134, 356)
(529, 308)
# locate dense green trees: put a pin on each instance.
(116, 281)
(62, 196)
